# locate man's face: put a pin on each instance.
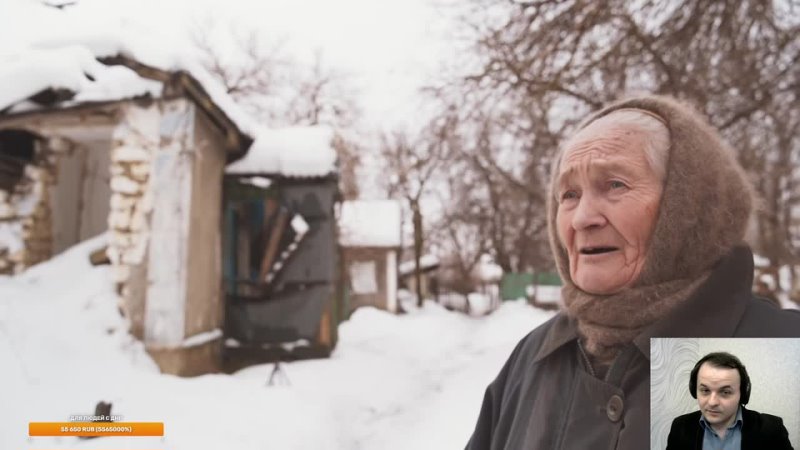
(608, 201)
(718, 394)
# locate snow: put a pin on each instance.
(59, 49)
(11, 236)
(544, 293)
(785, 277)
(118, 82)
(299, 225)
(69, 67)
(760, 261)
(261, 182)
(425, 262)
(370, 223)
(393, 382)
(201, 338)
(487, 271)
(23, 75)
(301, 151)
(786, 302)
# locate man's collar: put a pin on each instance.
(739, 420)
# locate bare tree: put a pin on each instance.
(541, 64)
(461, 229)
(321, 95)
(280, 91)
(252, 75)
(413, 163)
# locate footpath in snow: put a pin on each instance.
(394, 382)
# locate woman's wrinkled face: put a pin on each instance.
(608, 198)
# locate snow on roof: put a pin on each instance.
(301, 151)
(370, 223)
(22, 76)
(59, 49)
(760, 261)
(425, 262)
(487, 270)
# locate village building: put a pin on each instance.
(281, 259)
(369, 234)
(96, 136)
(429, 283)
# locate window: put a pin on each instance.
(362, 277)
(17, 148)
(260, 235)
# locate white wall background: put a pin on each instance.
(773, 366)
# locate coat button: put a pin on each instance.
(614, 408)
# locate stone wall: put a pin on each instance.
(133, 144)
(25, 214)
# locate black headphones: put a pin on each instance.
(724, 360)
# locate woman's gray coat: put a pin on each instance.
(546, 399)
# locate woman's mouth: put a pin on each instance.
(597, 250)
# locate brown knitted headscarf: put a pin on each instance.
(704, 212)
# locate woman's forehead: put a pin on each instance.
(609, 147)
(604, 135)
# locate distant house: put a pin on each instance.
(428, 265)
(108, 139)
(487, 276)
(369, 234)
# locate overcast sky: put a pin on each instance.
(386, 49)
(390, 48)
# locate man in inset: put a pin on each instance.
(720, 383)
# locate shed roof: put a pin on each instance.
(370, 223)
(71, 58)
(302, 151)
(426, 262)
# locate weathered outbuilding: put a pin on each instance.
(94, 140)
(371, 241)
(281, 272)
(429, 282)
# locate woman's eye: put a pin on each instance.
(615, 184)
(569, 195)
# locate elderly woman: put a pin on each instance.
(647, 215)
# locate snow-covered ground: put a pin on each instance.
(394, 382)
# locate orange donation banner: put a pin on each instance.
(96, 429)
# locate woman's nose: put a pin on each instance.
(588, 213)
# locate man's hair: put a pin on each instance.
(726, 361)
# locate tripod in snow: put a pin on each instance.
(278, 376)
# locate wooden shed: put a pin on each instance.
(95, 142)
(370, 240)
(281, 261)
